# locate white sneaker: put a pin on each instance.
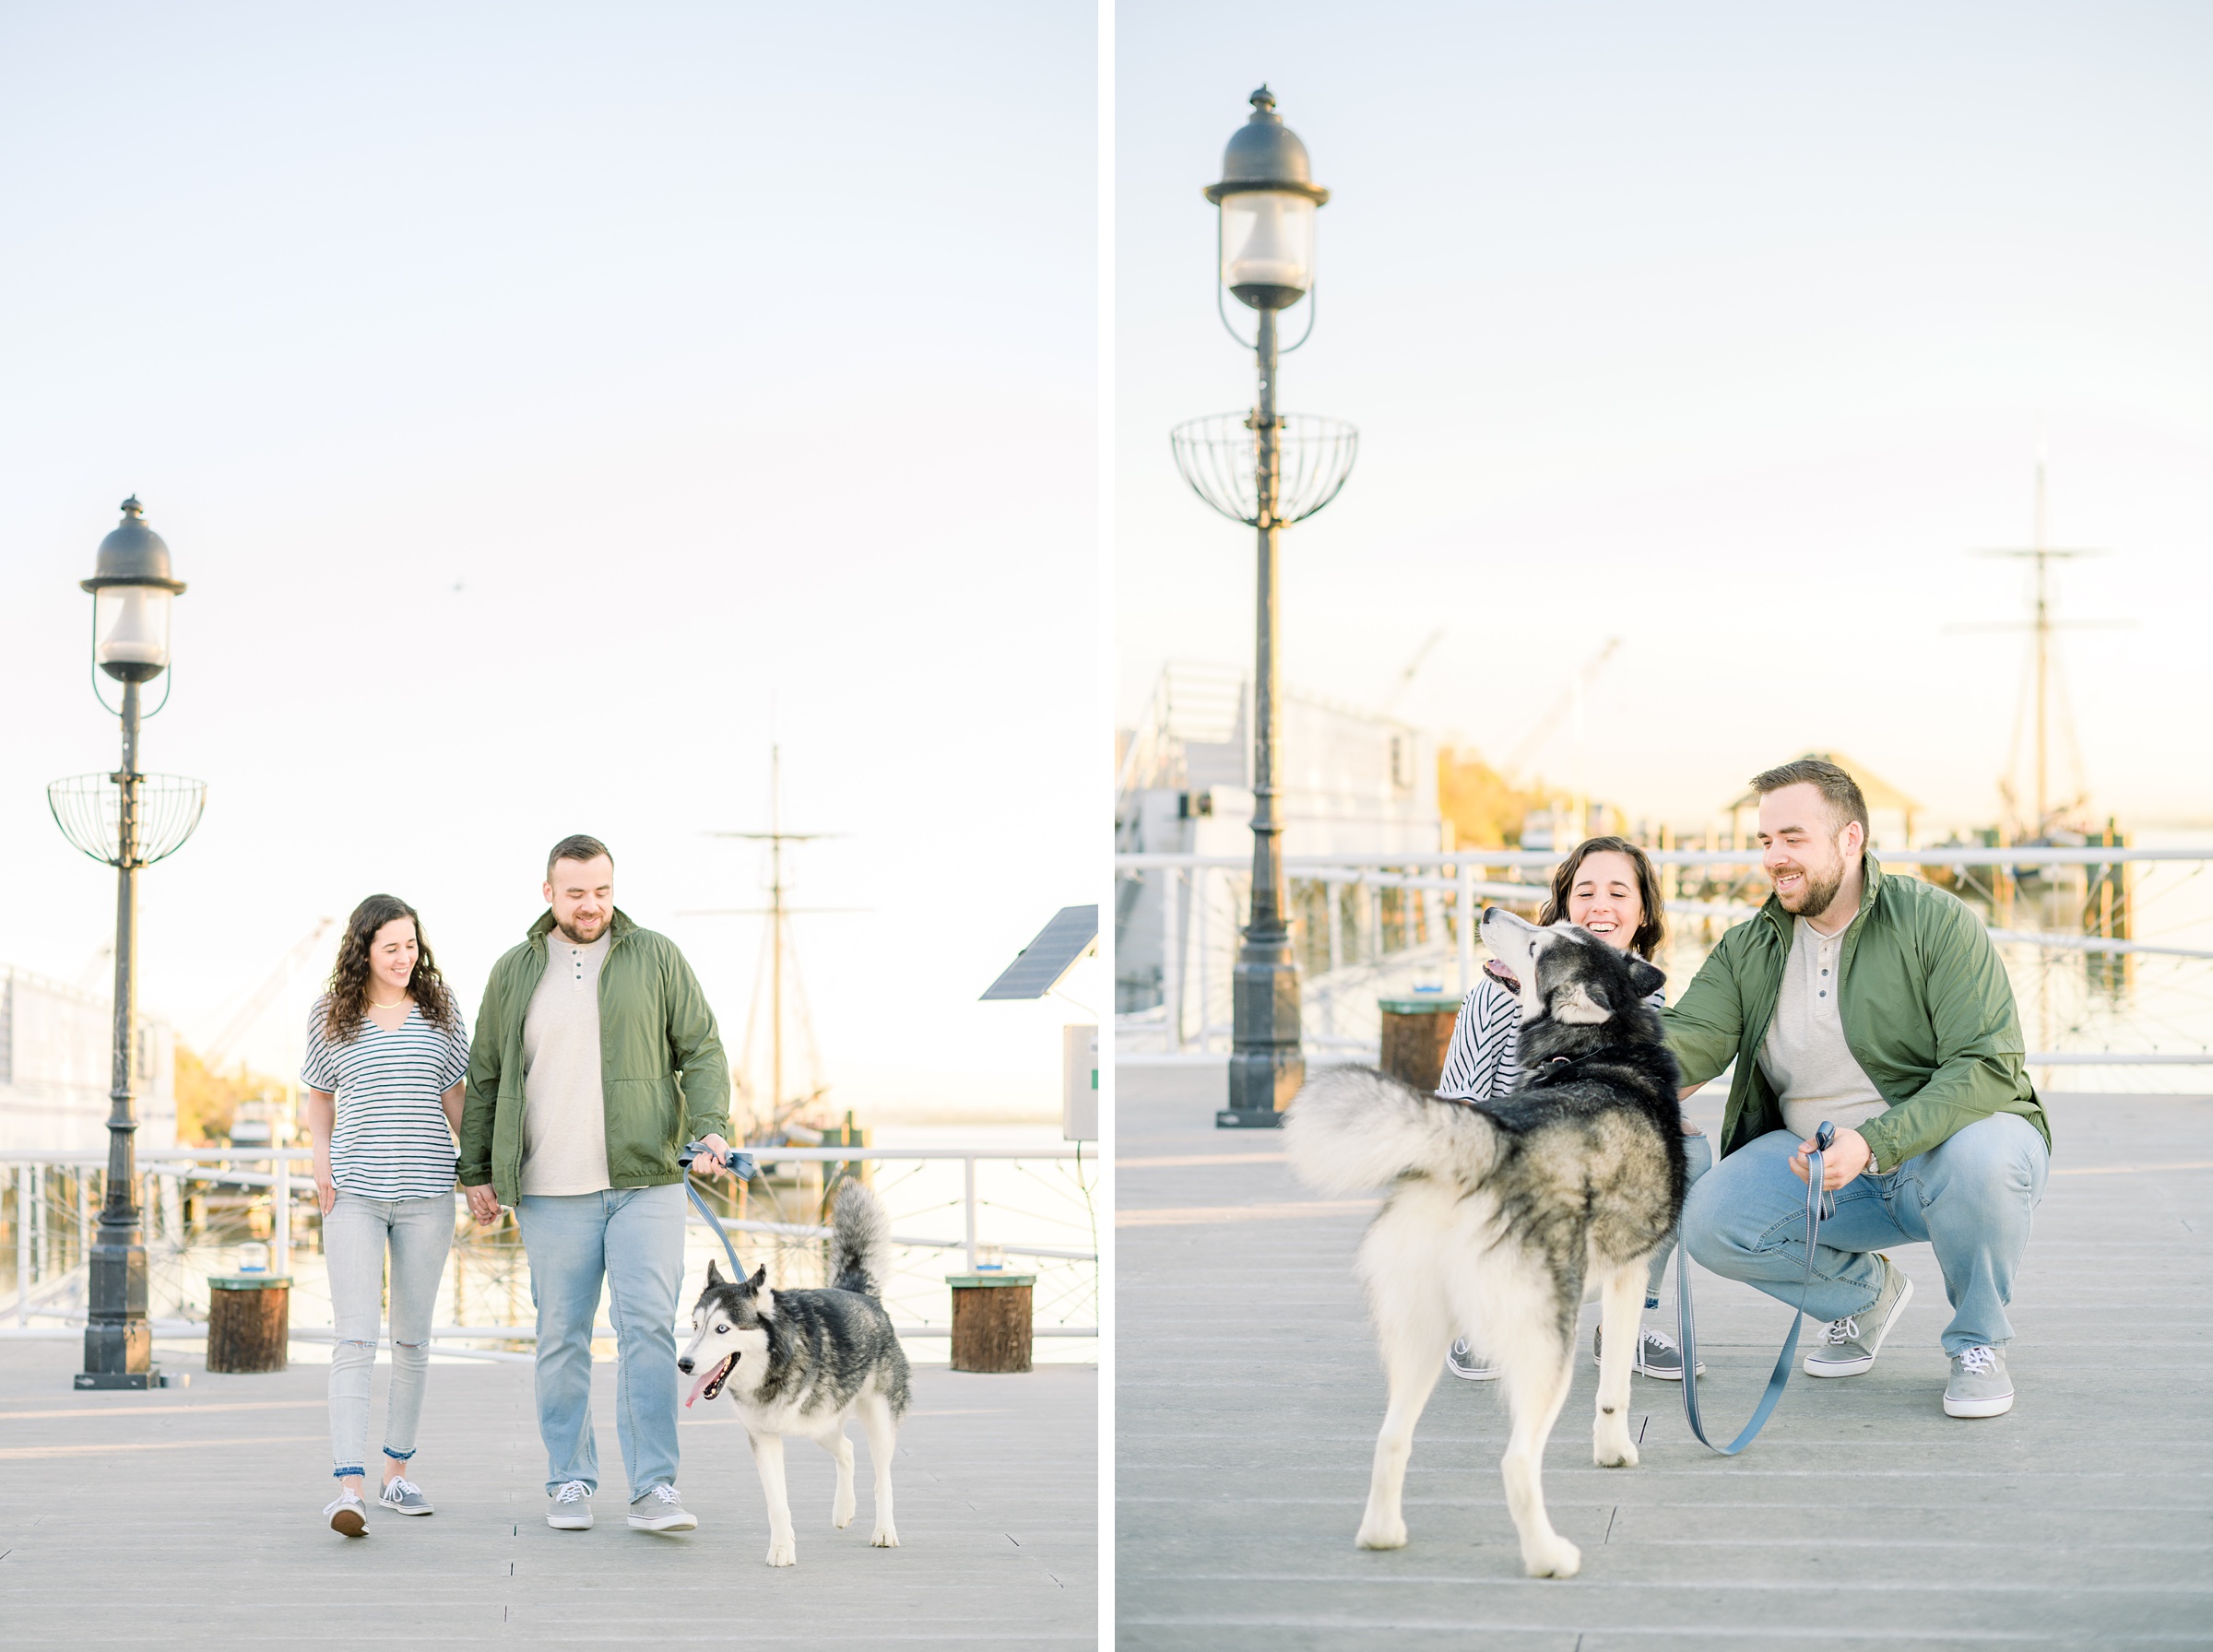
(403, 1496)
(662, 1509)
(570, 1509)
(1658, 1354)
(1848, 1346)
(1979, 1386)
(1461, 1362)
(348, 1516)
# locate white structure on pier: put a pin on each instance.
(55, 1048)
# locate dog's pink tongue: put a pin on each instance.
(698, 1387)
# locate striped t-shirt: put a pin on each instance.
(1485, 1056)
(391, 1139)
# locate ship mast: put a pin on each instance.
(777, 941)
(2041, 625)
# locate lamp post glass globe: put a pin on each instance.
(1267, 247)
(130, 628)
(132, 587)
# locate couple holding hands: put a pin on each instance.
(1920, 1062)
(595, 1055)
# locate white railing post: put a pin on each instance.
(1171, 983)
(22, 1245)
(280, 1215)
(968, 1208)
(1467, 927)
(1199, 947)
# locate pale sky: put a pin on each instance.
(1724, 329)
(528, 395)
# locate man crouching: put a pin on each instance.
(1877, 1003)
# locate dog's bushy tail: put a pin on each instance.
(1353, 1128)
(860, 1241)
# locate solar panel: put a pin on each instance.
(1038, 967)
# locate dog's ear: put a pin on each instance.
(714, 1275)
(760, 1278)
(1579, 1006)
(1644, 979)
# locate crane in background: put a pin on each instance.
(1567, 707)
(1405, 679)
(218, 1049)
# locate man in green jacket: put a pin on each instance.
(595, 1060)
(1877, 1004)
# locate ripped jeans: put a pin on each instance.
(419, 1231)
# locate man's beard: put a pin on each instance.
(584, 940)
(1819, 891)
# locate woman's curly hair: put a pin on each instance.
(1652, 930)
(347, 999)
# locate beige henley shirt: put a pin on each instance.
(564, 1111)
(1804, 1056)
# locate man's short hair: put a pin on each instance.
(1840, 790)
(578, 846)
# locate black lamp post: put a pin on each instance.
(1266, 240)
(106, 816)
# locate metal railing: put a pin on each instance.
(1450, 884)
(39, 1285)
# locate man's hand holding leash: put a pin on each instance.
(713, 1149)
(1850, 1156)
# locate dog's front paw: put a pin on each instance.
(783, 1552)
(1377, 1532)
(1614, 1448)
(885, 1537)
(841, 1513)
(1554, 1558)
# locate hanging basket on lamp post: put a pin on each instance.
(1219, 455)
(89, 809)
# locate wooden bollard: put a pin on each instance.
(1417, 1033)
(248, 1322)
(991, 1321)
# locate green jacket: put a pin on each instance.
(665, 1080)
(1928, 1014)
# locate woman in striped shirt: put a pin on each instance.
(1608, 887)
(386, 1058)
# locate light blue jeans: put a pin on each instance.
(633, 1239)
(1971, 1197)
(1698, 1153)
(356, 1235)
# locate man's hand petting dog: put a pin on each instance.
(1848, 1157)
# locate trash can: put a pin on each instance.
(1417, 1031)
(991, 1320)
(249, 1321)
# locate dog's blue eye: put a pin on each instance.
(722, 1331)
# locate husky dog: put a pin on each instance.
(803, 1361)
(1500, 1214)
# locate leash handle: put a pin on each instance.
(1818, 1203)
(740, 1166)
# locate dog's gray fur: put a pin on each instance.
(1501, 1214)
(803, 1361)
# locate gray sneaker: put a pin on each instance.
(1461, 1362)
(1658, 1354)
(403, 1496)
(348, 1516)
(661, 1509)
(1848, 1346)
(571, 1508)
(1979, 1386)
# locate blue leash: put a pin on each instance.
(741, 1166)
(1818, 1204)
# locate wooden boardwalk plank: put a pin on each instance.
(188, 1517)
(1248, 1395)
